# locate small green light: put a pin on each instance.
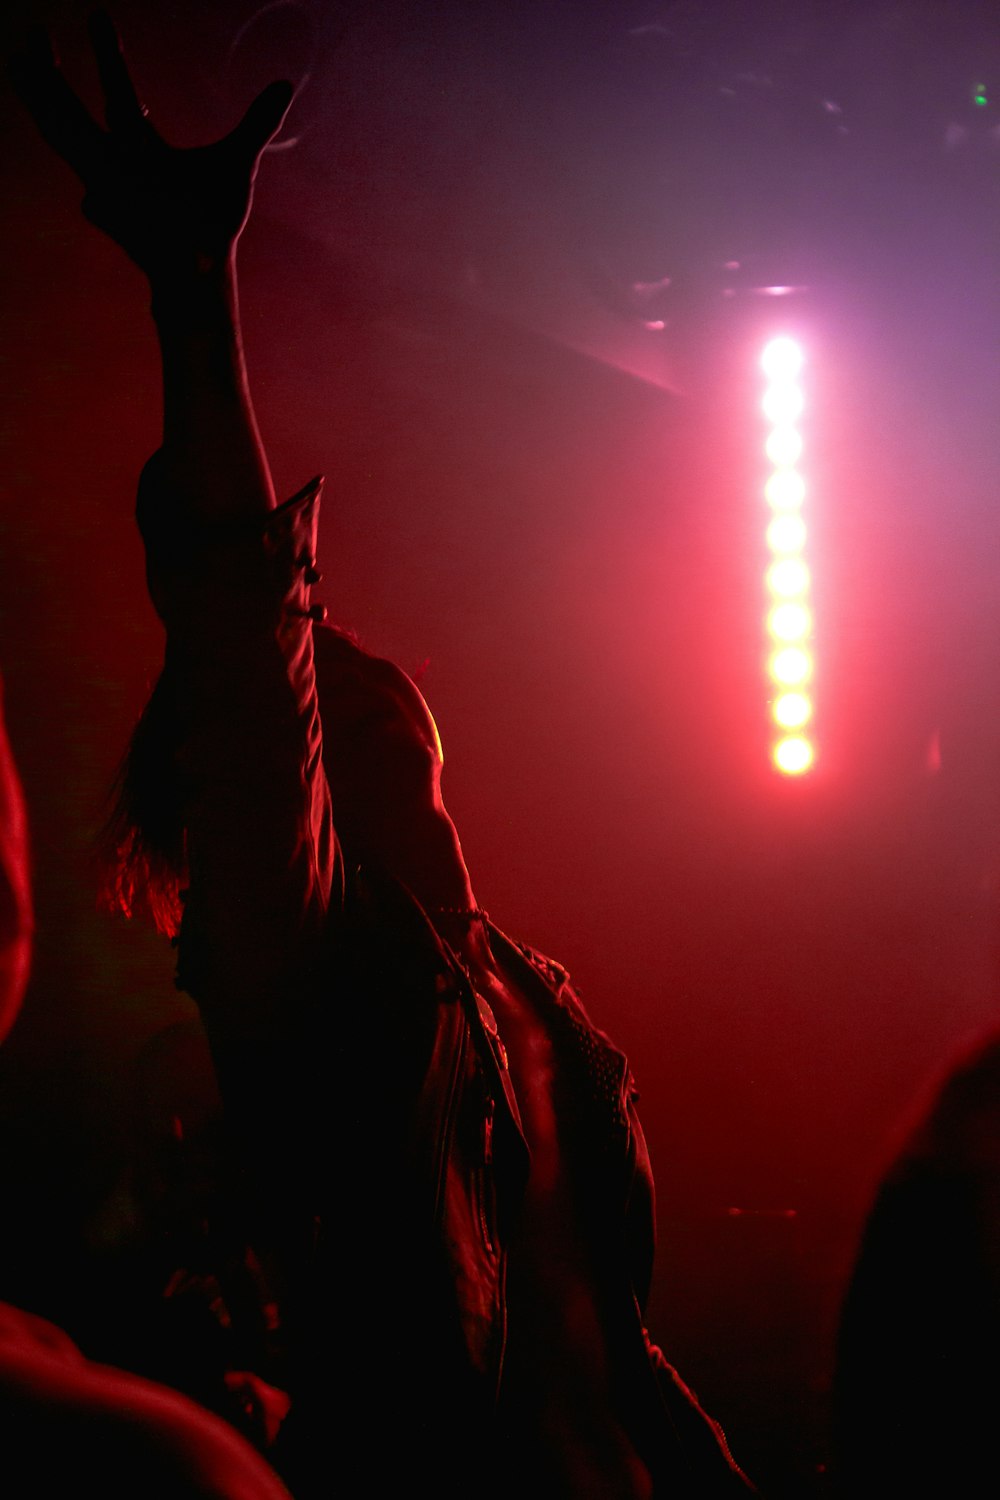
(980, 96)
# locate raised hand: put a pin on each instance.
(172, 210)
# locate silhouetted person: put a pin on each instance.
(452, 1187)
(917, 1394)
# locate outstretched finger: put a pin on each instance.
(262, 120)
(63, 120)
(123, 109)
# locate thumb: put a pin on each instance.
(263, 119)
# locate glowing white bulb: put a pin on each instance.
(793, 755)
(782, 403)
(782, 359)
(789, 622)
(784, 447)
(791, 666)
(788, 578)
(792, 710)
(786, 534)
(785, 490)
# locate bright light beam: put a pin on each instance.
(789, 617)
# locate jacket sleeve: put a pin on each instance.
(701, 1439)
(263, 862)
(697, 1442)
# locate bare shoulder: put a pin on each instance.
(62, 1415)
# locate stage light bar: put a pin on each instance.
(787, 580)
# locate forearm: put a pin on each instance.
(230, 574)
(212, 458)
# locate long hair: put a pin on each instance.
(142, 843)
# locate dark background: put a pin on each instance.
(447, 289)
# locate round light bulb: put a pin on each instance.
(786, 534)
(782, 403)
(793, 755)
(790, 667)
(792, 710)
(789, 578)
(789, 622)
(785, 490)
(782, 359)
(784, 447)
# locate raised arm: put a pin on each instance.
(178, 214)
(229, 747)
